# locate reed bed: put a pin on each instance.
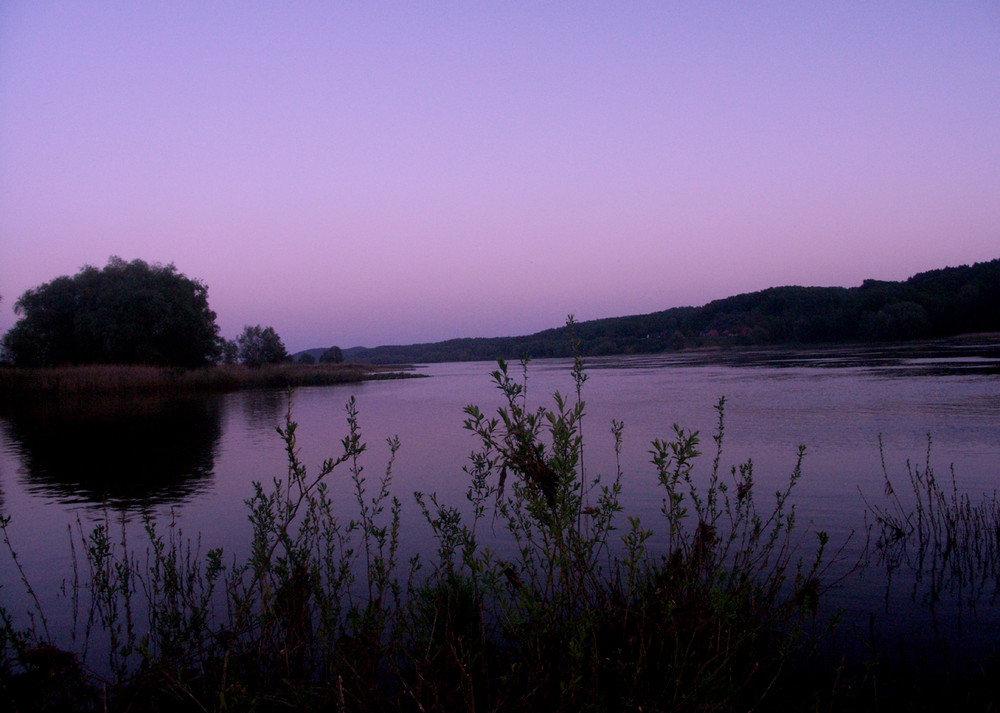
(94, 379)
(935, 549)
(938, 543)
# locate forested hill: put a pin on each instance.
(939, 303)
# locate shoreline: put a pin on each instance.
(132, 379)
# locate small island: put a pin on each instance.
(134, 327)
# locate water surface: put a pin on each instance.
(191, 461)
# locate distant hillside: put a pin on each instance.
(315, 353)
(938, 303)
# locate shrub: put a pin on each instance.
(124, 313)
(333, 355)
(701, 613)
(257, 346)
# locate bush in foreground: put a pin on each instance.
(706, 611)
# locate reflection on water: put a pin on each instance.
(196, 458)
(263, 408)
(122, 451)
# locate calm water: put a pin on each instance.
(194, 459)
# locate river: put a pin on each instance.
(192, 460)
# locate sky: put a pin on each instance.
(376, 173)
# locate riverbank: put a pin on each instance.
(105, 379)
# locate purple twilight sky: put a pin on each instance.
(384, 173)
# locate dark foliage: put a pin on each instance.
(333, 355)
(258, 345)
(125, 313)
(939, 303)
(229, 351)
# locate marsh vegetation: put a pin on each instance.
(112, 379)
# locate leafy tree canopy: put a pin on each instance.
(333, 355)
(229, 351)
(125, 313)
(258, 345)
(937, 303)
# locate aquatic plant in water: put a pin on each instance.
(941, 542)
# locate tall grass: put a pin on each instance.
(154, 379)
(939, 544)
(587, 609)
(935, 552)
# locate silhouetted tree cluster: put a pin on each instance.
(258, 345)
(333, 355)
(229, 351)
(125, 313)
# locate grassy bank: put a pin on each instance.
(714, 607)
(152, 379)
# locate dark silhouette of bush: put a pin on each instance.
(333, 355)
(260, 345)
(229, 351)
(125, 313)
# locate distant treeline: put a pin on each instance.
(938, 303)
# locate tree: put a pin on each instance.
(229, 351)
(125, 313)
(895, 322)
(307, 358)
(258, 345)
(333, 355)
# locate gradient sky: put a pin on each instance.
(384, 173)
